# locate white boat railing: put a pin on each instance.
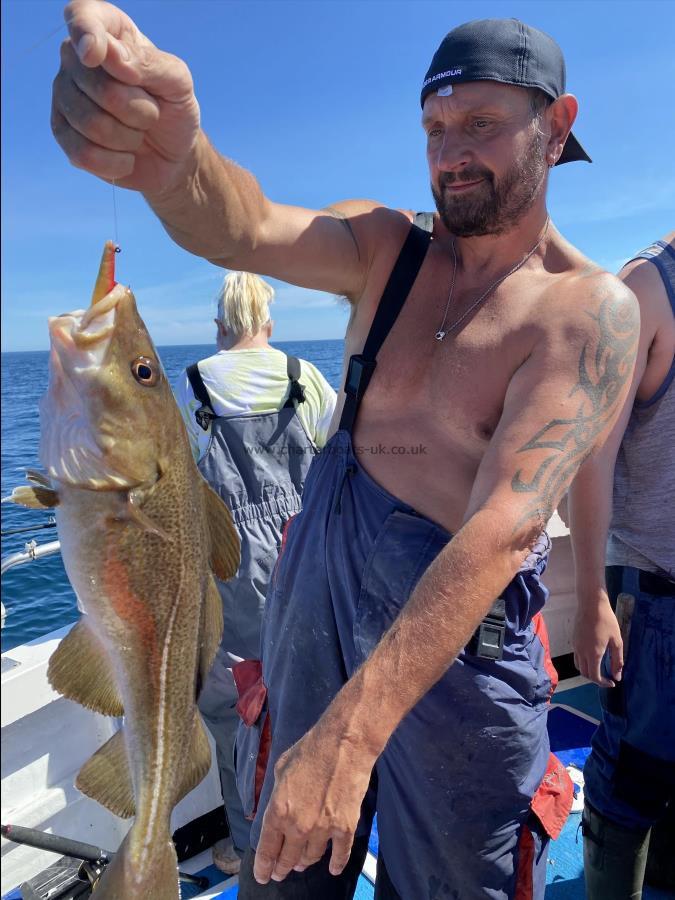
(32, 551)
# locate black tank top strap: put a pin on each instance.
(361, 366)
(662, 255)
(205, 412)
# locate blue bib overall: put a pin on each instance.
(454, 787)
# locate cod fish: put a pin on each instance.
(141, 534)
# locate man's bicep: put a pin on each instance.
(328, 250)
(560, 406)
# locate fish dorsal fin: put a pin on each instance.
(79, 669)
(224, 556)
(212, 631)
(105, 280)
(198, 760)
(33, 496)
(106, 777)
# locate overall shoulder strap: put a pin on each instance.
(401, 280)
(297, 391)
(205, 412)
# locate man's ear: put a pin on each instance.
(561, 115)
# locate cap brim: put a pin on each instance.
(573, 151)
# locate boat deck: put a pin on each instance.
(572, 719)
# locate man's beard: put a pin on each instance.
(492, 207)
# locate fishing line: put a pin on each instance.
(30, 49)
(118, 249)
(42, 40)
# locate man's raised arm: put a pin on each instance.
(126, 111)
(560, 405)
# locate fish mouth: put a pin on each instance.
(84, 335)
(73, 449)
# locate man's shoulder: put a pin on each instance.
(646, 282)
(374, 226)
(587, 297)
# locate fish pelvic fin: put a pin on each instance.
(211, 632)
(33, 496)
(225, 545)
(106, 778)
(80, 670)
(128, 877)
(198, 759)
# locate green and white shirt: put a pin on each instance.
(241, 382)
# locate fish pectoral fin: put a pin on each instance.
(135, 514)
(80, 670)
(212, 630)
(33, 496)
(224, 538)
(106, 777)
(198, 760)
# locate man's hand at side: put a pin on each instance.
(121, 108)
(596, 630)
(320, 783)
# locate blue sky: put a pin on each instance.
(320, 101)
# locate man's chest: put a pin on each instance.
(457, 384)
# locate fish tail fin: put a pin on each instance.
(127, 878)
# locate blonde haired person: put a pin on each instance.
(255, 419)
(244, 304)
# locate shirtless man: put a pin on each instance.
(507, 366)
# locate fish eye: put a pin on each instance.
(145, 371)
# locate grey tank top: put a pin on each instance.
(642, 532)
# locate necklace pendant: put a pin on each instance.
(440, 335)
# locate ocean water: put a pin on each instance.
(37, 596)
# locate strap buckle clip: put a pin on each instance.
(488, 639)
(203, 416)
(359, 373)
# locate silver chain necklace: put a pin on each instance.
(442, 331)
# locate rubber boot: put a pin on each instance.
(615, 858)
(661, 859)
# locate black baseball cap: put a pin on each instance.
(504, 50)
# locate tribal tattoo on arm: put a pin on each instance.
(603, 374)
(342, 218)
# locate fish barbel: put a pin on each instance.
(141, 534)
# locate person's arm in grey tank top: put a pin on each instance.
(590, 497)
(590, 509)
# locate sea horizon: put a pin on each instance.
(274, 342)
